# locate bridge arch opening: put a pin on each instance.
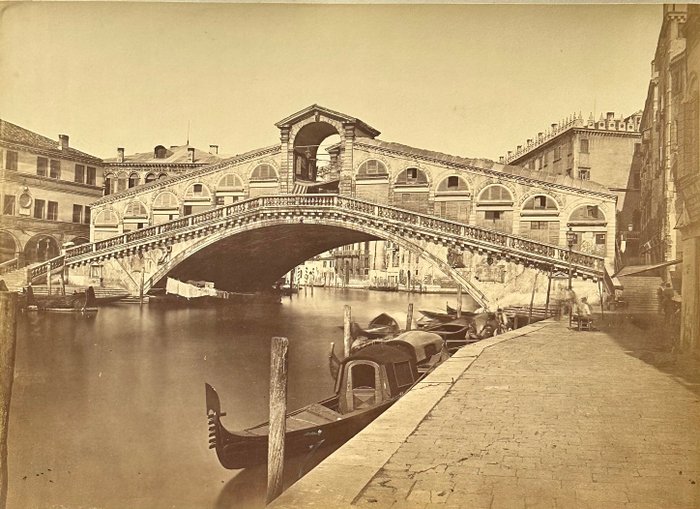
(311, 150)
(9, 246)
(40, 248)
(539, 219)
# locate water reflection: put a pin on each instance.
(109, 412)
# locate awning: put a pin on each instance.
(638, 269)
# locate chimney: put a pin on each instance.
(120, 154)
(214, 149)
(611, 115)
(190, 151)
(501, 159)
(63, 141)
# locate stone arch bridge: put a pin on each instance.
(265, 226)
(244, 221)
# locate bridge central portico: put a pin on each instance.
(250, 218)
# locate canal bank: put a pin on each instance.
(539, 417)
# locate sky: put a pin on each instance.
(468, 80)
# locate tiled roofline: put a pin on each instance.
(145, 188)
(487, 171)
(71, 154)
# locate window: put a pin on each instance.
(264, 172)
(8, 205)
(39, 206)
(86, 215)
(150, 178)
(197, 188)
(372, 167)
(538, 225)
(496, 193)
(600, 239)
(570, 172)
(219, 201)
(52, 213)
(452, 182)
(584, 174)
(55, 169)
(77, 213)
(160, 152)
(10, 160)
(584, 146)
(557, 153)
(91, 176)
(404, 375)
(540, 202)
(411, 173)
(79, 173)
(493, 215)
(108, 185)
(42, 166)
(133, 180)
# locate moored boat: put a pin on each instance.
(368, 382)
(380, 326)
(77, 302)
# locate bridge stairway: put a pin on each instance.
(639, 292)
(16, 279)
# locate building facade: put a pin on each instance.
(47, 189)
(671, 171)
(130, 170)
(604, 151)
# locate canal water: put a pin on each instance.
(108, 412)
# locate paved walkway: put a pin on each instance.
(541, 417)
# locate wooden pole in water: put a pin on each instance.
(48, 280)
(459, 300)
(278, 412)
(532, 299)
(8, 340)
(549, 289)
(347, 337)
(141, 287)
(409, 316)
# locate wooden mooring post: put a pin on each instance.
(532, 298)
(409, 316)
(8, 341)
(347, 336)
(278, 412)
(459, 300)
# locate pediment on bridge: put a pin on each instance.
(319, 112)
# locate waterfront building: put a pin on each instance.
(671, 168)
(605, 150)
(130, 170)
(47, 187)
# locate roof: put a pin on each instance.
(301, 114)
(487, 164)
(13, 133)
(639, 269)
(379, 353)
(178, 154)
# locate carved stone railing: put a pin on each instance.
(9, 265)
(405, 222)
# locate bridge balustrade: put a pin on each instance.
(372, 210)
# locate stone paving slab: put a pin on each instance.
(540, 417)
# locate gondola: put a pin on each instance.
(367, 383)
(381, 326)
(78, 302)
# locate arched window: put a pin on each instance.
(150, 177)
(133, 180)
(106, 217)
(264, 172)
(165, 200)
(122, 182)
(197, 192)
(587, 213)
(229, 182)
(197, 199)
(41, 248)
(496, 193)
(590, 226)
(540, 203)
(135, 209)
(110, 184)
(453, 199)
(453, 184)
(372, 168)
(495, 208)
(162, 176)
(412, 177)
(166, 207)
